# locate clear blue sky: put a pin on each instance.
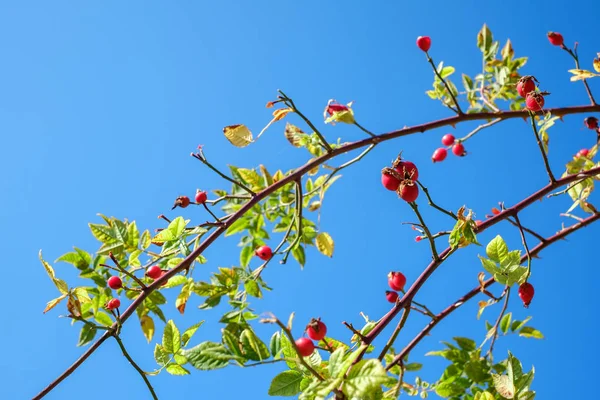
(101, 104)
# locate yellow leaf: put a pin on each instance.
(278, 176)
(293, 134)
(279, 114)
(238, 135)
(325, 244)
(59, 283)
(251, 177)
(580, 74)
(82, 295)
(597, 63)
(147, 324)
(53, 303)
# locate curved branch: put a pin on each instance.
(186, 263)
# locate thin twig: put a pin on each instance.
(528, 254)
(291, 104)
(123, 270)
(480, 127)
(227, 197)
(392, 338)
(457, 110)
(258, 271)
(539, 142)
(211, 213)
(137, 368)
(576, 58)
(298, 237)
(432, 204)
(434, 252)
(565, 190)
(365, 130)
(497, 324)
(353, 330)
(202, 158)
(531, 232)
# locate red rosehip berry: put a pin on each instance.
(448, 139)
(534, 101)
(556, 38)
(264, 253)
(418, 238)
(408, 170)
(201, 197)
(408, 192)
(526, 293)
(316, 330)
(458, 149)
(114, 282)
(424, 43)
(181, 201)
(154, 272)
(526, 85)
(591, 122)
(392, 297)
(305, 346)
(389, 182)
(583, 153)
(495, 211)
(439, 155)
(113, 303)
(396, 280)
(335, 107)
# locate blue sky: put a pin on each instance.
(101, 104)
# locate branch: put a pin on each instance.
(434, 252)
(458, 110)
(202, 158)
(365, 130)
(475, 291)
(497, 324)
(528, 253)
(298, 237)
(576, 58)
(123, 270)
(531, 232)
(480, 127)
(392, 338)
(370, 141)
(432, 204)
(258, 271)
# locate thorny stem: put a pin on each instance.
(528, 254)
(497, 324)
(539, 142)
(290, 102)
(457, 110)
(137, 368)
(432, 204)
(480, 127)
(370, 141)
(392, 338)
(573, 54)
(476, 290)
(434, 252)
(202, 158)
(425, 308)
(365, 130)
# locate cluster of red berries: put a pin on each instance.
(184, 201)
(316, 330)
(401, 178)
(448, 140)
(114, 282)
(396, 281)
(534, 99)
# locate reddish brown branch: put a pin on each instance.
(476, 290)
(256, 198)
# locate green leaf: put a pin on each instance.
(87, 334)
(413, 366)
(251, 177)
(335, 362)
(288, 351)
(275, 344)
(484, 396)
(364, 376)
(171, 339)
(466, 343)
(505, 322)
(516, 325)
(252, 288)
(146, 240)
(59, 283)
(246, 255)
(189, 332)
(529, 332)
(447, 71)
(447, 389)
(497, 250)
(176, 369)
(103, 233)
(79, 258)
(161, 356)
(176, 281)
(173, 231)
(489, 265)
(299, 255)
(103, 318)
(287, 383)
(208, 356)
(254, 348)
(237, 226)
(325, 244)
